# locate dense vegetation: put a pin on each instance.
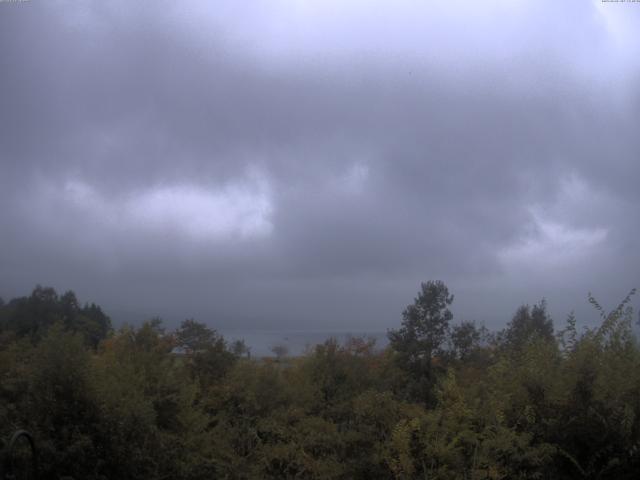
(445, 400)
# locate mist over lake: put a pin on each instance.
(297, 342)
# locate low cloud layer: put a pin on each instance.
(305, 165)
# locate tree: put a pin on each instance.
(424, 329)
(529, 324)
(33, 316)
(209, 357)
(62, 408)
(465, 338)
(239, 348)
(94, 324)
(280, 350)
(195, 336)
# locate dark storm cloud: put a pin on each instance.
(252, 170)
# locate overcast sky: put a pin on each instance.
(305, 164)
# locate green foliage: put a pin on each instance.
(425, 325)
(144, 402)
(529, 324)
(206, 353)
(31, 317)
(466, 339)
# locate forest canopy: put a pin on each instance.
(446, 399)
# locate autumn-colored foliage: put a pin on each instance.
(443, 401)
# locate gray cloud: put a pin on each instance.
(274, 164)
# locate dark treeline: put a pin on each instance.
(445, 400)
